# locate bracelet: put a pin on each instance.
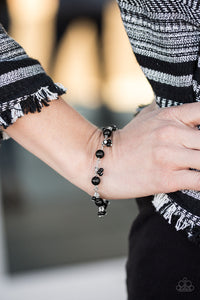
(101, 203)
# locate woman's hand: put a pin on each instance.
(154, 154)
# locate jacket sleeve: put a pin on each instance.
(24, 85)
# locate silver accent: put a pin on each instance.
(101, 209)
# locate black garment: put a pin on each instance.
(162, 263)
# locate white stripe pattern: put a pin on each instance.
(19, 74)
(178, 81)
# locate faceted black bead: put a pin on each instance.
(105, 204)
(94, 198)
(107, 132)
(99, 202)
(99, 153)
(95, 180)
(114, 127)
(100, 171)
(109, 143)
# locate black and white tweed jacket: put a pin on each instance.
(24, 85)
(165, 37)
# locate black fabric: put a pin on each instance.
(24, 85)
(160, 259)
(174, 93)
(184, 200)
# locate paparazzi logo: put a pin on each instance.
(185, 286)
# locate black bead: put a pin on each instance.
(105, 204)
(114, 127)
(94, 198)
(101, 213)
(99, 153)
(107, 132)
(99, 202)
(100, 171)
(109, 143)
(95, 180)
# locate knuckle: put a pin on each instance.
(165, 132)
(168, 112)
(161, 155)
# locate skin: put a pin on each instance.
(151, 154)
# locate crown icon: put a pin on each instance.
(185, 285)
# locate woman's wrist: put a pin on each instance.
(92, 142)
(62, 138)
(106, 143)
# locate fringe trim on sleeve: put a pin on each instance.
(184, 220)
(14, 109)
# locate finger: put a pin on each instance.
(189, 137)
(151, 107)
(186, 158)
(188, 113)
(187, 180)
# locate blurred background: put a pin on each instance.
(52, 243)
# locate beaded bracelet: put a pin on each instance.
(101, 203)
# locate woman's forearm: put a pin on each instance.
(62, 138)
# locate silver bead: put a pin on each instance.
(104, 142)
(95, 188)
(101, 209)
(96, 195)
